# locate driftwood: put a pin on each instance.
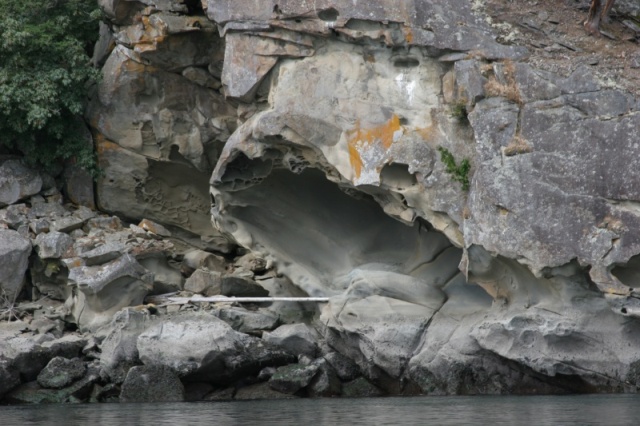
(169, 299)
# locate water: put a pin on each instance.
(479, 410)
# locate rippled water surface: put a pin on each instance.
(479, 410)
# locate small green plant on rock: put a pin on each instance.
(459, 173)
(459, 110)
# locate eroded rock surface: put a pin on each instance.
(376, 173)
(469, 208)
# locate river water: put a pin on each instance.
(477, 410)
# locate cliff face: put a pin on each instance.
(469, 203)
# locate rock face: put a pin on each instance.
(14, 259)
(471, 216)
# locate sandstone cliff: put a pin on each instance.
(460, 178)
(326, 124)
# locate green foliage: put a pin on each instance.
(459, 110)
(45, 73)
(459, 173)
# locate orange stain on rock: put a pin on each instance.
(408, 35)
(360, 138)
(104, 145)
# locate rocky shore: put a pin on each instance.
(459, 181)
(75, 327)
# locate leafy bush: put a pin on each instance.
(45, 72)
(459, 173)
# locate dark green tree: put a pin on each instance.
(45, 73)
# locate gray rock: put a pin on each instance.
(67, 223)
(291, 378)
(297, 339)
(52, 245)
(151, 383)
(336, 176)
(103, 254)
(50, 278)
(28, 353)
(153, 122)
(32, 393)
(233, 286)
(119, 348)
(266, 373)
(48, 210)
(204, 282)
(166, 278)
(250, 322)
(61, 372)
(345, 368)
(326, 382)
(15, 215)
(39, 226)
(14, 259)
(253, 67)
(107, 288)
(177, 343)
(17, 182)
(469, 82)
(197, 259)
(156, 228)
(107, 223)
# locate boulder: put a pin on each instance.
(107, 288)
(102, 254)
(233, 286)
(28, 352)
(17, 182)
(205, 282)
(197, 259)
(166, 278)
(344, 367)
(250, 322)
(297, 339)
(61, 372)
(201, 347)
(326, 382)
(14, 259)
(291, 378)
(32, 393)
(155, 228)
(152, 383)
(52, 245)
(119, 348)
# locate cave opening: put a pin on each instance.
(320, 232)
